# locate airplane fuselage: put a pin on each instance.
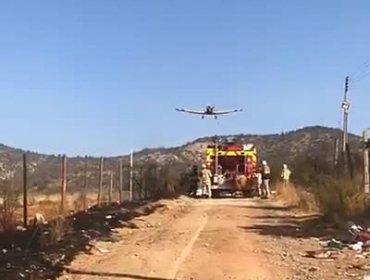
(209, 110)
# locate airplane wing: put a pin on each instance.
(190, 111)
(227, 112)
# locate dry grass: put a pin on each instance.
(356, 204)
(296, 197)
(48, 208)
(341, 198)
(337, 199)
(338, 189)
(49, 205)
(59, 228)
(8, 205)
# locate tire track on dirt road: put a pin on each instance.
(224, 250)
(186, 251)
(150, 253)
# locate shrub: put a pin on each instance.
(58, 229)
(9, 203)
(340, 198)
(155, 181)
(297, 197)
(338, 194)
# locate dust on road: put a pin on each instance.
(237, 239)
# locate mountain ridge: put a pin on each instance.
(7, 148)
(45, 169)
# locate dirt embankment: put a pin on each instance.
(42, 251)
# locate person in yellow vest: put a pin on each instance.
(206, 181)
(285, 174)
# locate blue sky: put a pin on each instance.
(101, 77)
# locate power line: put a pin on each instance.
(362, 68)
(362, 72)
(362, 76)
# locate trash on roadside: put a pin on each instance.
(356, 247)
(20, 228)
(332, 244)
(321, 254)
(359, 242)
(101, 250)
(363, 237)
(354, 229)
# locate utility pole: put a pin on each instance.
(345, 108)
(366, 161)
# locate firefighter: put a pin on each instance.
(219, 169)
(194, 180)
(206, 181)
(285, 174)
(266, 176)
(259, 182)
(227, 174)
(218, 177)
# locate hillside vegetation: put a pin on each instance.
(287, 147)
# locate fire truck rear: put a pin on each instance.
(234, 168)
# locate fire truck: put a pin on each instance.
(234, 168)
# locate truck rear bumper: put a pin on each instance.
(222, 188)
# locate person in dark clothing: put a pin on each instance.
(193, 180)
(266, 176)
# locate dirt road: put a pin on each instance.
(213, 239)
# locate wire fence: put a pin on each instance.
(61, 185)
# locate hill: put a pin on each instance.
(44, 169)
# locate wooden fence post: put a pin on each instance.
(85, 187)
(64, 183)
(366, 171)
(25, 200)
(110, 187)
(131, 174)
(336, 151)
(349, 162)
(100, 180)
(366, 163)
(120, 181)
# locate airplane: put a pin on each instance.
(209, 111)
